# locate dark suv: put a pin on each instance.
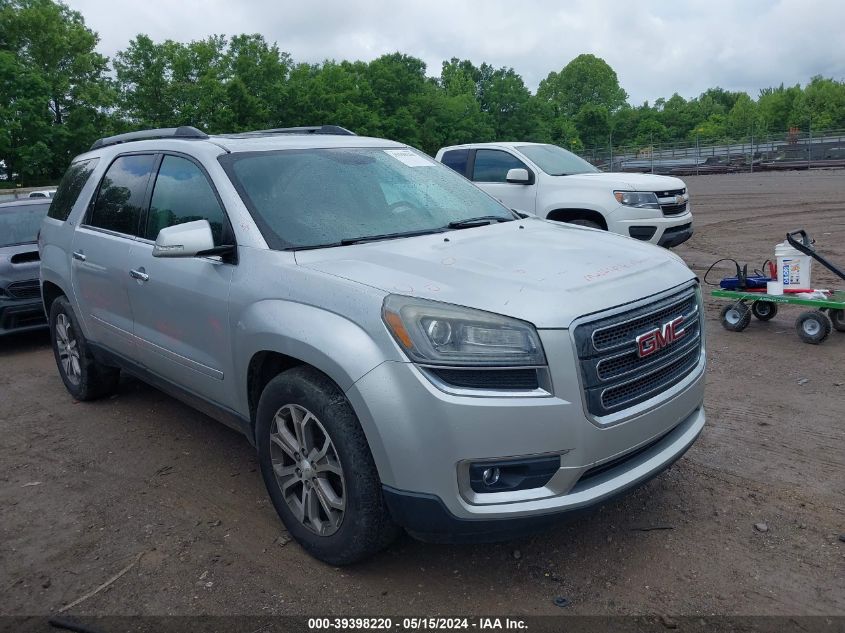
(20, 292)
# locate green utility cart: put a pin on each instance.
(813, 326)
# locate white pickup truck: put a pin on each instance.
(552, 183)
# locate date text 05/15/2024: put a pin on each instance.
(417, 624)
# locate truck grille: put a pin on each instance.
(28, 289)
(614, 374)
(673, 209)
(669, 202)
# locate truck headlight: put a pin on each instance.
(437, 333)
(638, 199)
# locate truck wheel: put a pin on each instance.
(84, 377)
(764, 310)
(318, 468)
(837, 317)
(736, 317)
(584, 222)
(813, 327)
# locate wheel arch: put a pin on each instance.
(263, 367)
(49, 293)
(328, 342)
(569, 214)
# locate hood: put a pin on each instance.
(630, 182)
(18, 263)
(545, 273)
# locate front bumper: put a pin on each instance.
(427, 518)
(651, 226)
(675, 236)
(423, 438)
(21, 315)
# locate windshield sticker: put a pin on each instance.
(409, 158)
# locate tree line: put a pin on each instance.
(58, 94)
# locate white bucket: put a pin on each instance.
(793, 267)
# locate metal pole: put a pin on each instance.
(697, 154)
(752, 150)
(810, 143)
(651, 137)
(611, 149)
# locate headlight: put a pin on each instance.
(443, 334)
(638, 199)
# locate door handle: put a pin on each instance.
(140, 275)
(79, 255)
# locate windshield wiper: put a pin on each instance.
(479, 221)
(386, 236)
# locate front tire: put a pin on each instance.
(736, 317)
(837, 317)
(318, 468)
(84, 377)
(813, 327)
(584, 222)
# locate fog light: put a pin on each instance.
(490, 476)
(512, 474)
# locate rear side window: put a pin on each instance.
(70, 187)
(457, 160)
(492, 165)
(121, 195)
(182, 194)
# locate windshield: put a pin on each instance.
(325, 197)
(556, 161)
(19, 223)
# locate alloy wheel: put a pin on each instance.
(68, 349)
(308, 469)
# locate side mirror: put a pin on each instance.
(185, 240)
(518, 176)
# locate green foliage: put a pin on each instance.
(54, 92)
(586, 80)
(57, 95)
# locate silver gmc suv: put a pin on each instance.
(402, 350)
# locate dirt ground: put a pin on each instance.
(85, 489)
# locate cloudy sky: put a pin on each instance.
(657, 47)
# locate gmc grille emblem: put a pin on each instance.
(658, 338)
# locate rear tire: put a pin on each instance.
(813, 327)
(84, 377)
(764, 310)
(736, 317)
(318, 468)
(837, 318)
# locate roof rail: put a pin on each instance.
(184, 131)
(306, 129)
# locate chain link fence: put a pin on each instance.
(795, 149)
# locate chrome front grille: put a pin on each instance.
(614, 374)
(673, 209)
(28, 289)
(673, 202)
